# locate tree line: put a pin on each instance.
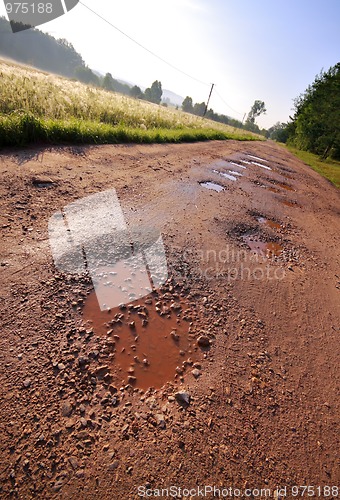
(199, 109)
(43, 51)
(315, 125)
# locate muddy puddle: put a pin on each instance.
(284, 186)
(226, 175)
(290, 204)
(263, 248)
(258, 158)
(272, 189)
(148, 341)
(260, 165)
(268, 223)
(212, 185)
(238, 165)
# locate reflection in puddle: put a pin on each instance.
(265, 249)
(257, 158)
(269, 223)
(260, 165)
(237, 165)
(235, 173)
(212, 185)
(224, 174)
(121, 283)
(147, 342)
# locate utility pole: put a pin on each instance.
(206, 108)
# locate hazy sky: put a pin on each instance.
(251, 49)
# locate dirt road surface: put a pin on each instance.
(227, 375)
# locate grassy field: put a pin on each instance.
(327, 168)
(40, 107)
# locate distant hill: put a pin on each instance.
(173, 98)
(44, 52)
(40, 50)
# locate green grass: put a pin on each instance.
(40, 107)
(330, 169)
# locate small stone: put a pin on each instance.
(183, 398)
(83, 422)
(61, 366)
(66, 409)
(27, 383)
(83, 360)
(74, 463)
(196, 373)
(57, 485)
(203, 341)
(160, 420)
(114, 465)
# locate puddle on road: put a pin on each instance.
(290, 204)
(269, 223)
(257, 158)
(237, 165)
(284, 186)
(272, 189)
(260, 165)
(263, 248)
(121, 283)
(148, 339)
(226, 175)
(212, 185)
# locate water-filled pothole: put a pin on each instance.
(235, 164)
(212, 185)
(290, 204)
(147, 342)
(228, 176)
(282, 185)
(260, 165)
(263, 248)
(257, 157)
(269, 223)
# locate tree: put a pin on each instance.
(315, 126)
(86, 75)
(154, 94)
(199, 108)
(257, 109)
(136, 92)
(278, 132)
(187, 105)
(108, 82)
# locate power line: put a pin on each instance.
(142, 46)
(234, 110)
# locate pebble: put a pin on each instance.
(27, 383)
(203, 341)
(196, 373)
(183, 397)
(160, 420)
(66, 409)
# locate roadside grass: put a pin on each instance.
(41, 107)
(330, 169)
